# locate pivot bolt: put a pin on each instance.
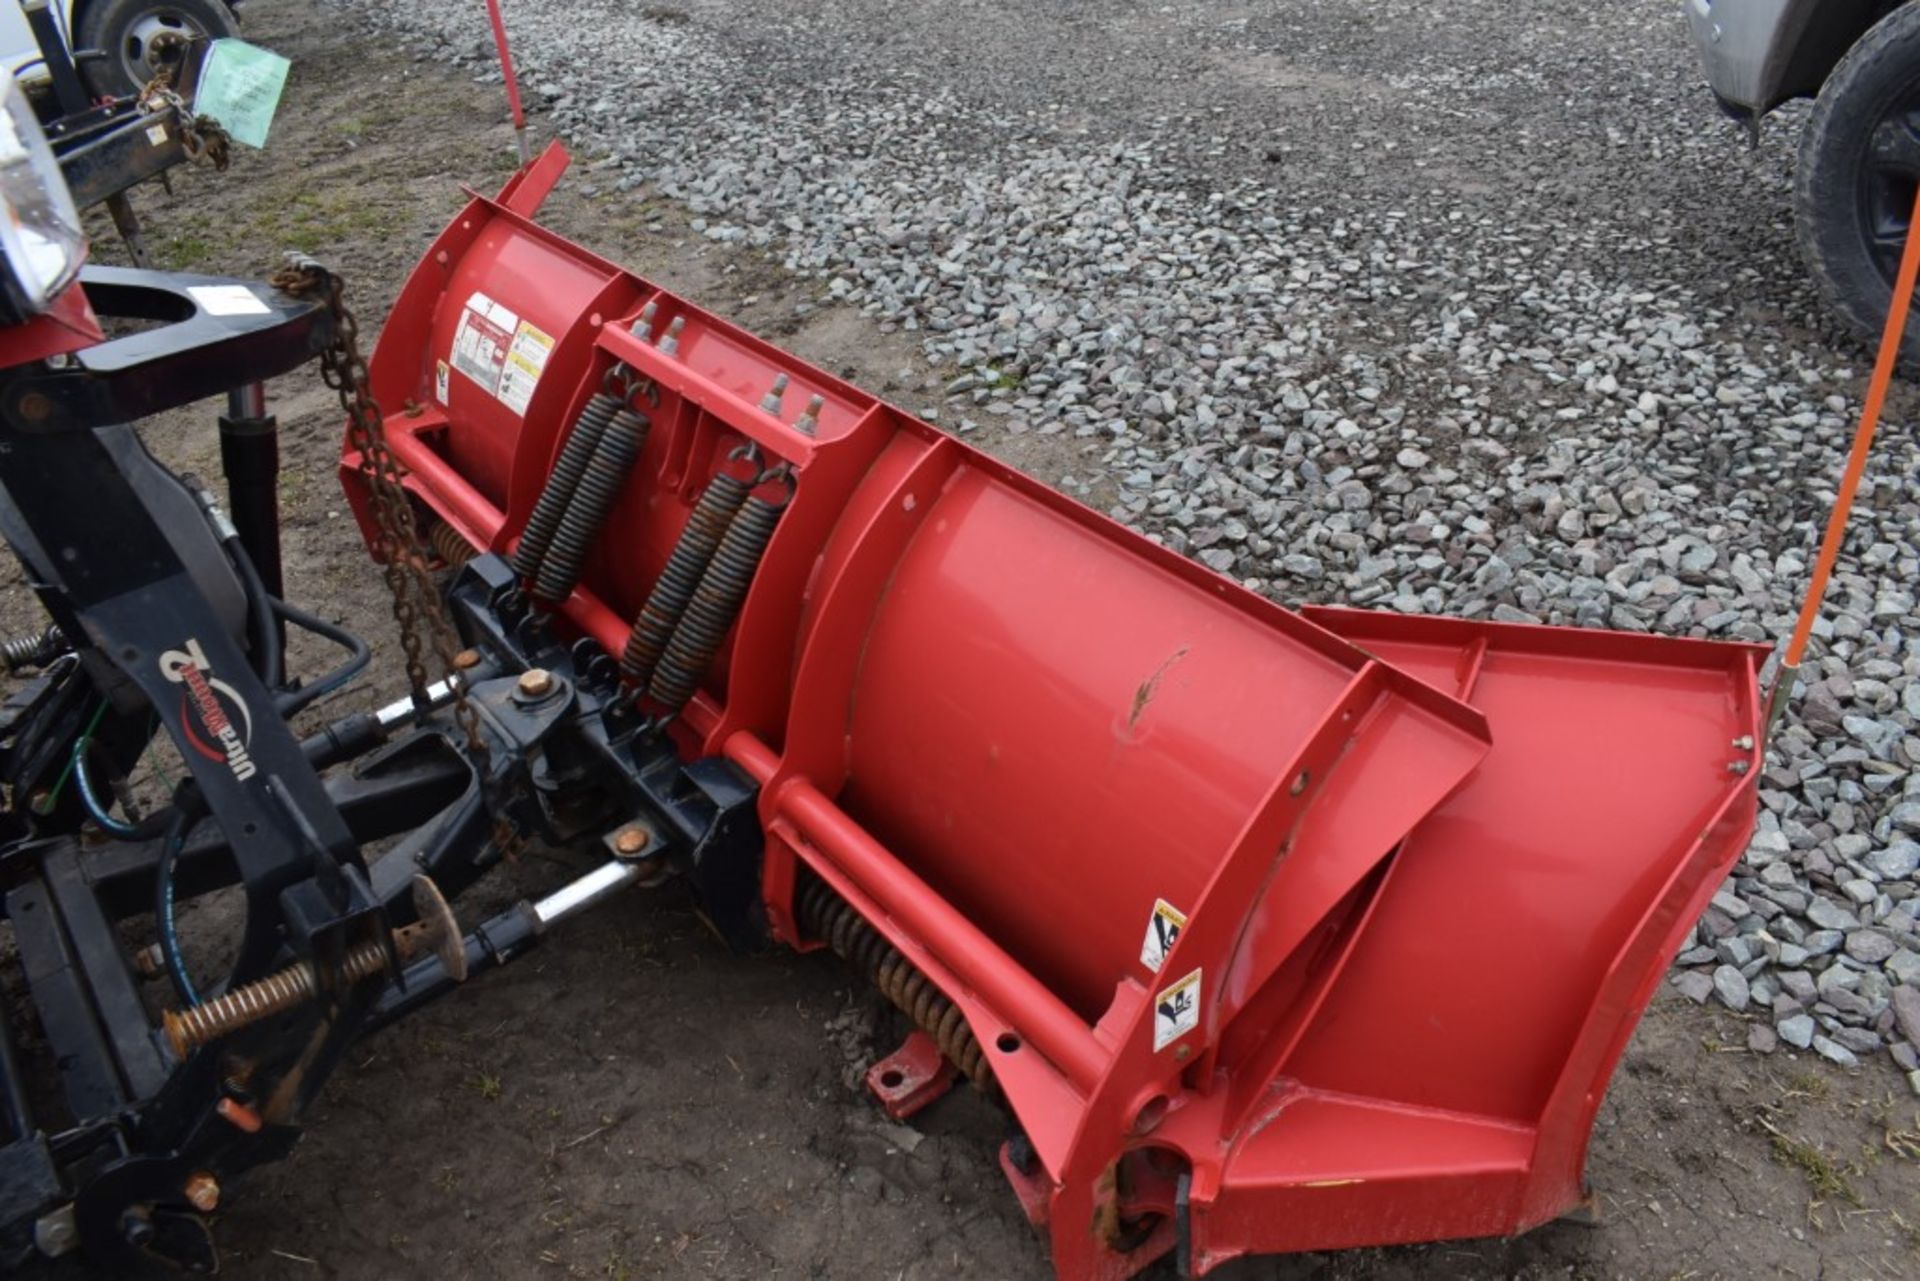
(202, 1192)
(467, 658)
(631, 840)
(535, 682)
(149, 962)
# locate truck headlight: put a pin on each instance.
(40, 237)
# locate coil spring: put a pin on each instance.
(33, 649)
(561, 482)
(829, 918)
(620, 444)
(715, 603)
(199, 1025)
(653, 628)
(453, 550)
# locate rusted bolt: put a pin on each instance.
(202, 1192)
(535, 682)
(149, 962)
(1182, 1053)
(238, 1115)
(467, 658)
(631, 840)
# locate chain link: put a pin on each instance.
(402, 552)
(204, 139)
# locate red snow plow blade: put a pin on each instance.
(1275, 931)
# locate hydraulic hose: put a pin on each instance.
(186, 810)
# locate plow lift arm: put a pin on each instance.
(1216, 897)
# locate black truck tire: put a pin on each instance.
(1858, 166)
(140, 38)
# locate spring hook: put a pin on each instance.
(618, 381)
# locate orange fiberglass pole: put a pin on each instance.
(1856, 464)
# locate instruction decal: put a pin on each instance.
(1164, 924)
(440, 381)
(503, 353)
(526, 361)
(481, 339)
(1176, 1011)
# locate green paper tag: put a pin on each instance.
(240, 87)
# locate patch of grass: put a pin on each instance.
(484, 1084)
(187, 251)
(1810, 1085)
(324, 218)
(1826, 1176)
(1904, 1143)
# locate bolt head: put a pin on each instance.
(631, 840)
(467, 658)
(150, 962)
(202, 1192)
(535, 682)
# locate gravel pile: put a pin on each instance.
(1396, 304)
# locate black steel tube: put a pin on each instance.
(250, 458)
(68, 90)
(489, 945)
(16, 1120)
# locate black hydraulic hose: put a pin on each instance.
(358, 656)
(186, 810)
(269, 647)
(96, 804)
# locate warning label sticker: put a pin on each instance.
(1176, 1011)
(503, 353)
(440, 381)
(1163, 927)
(526, 360)
(481, 339)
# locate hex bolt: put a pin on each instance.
(1739, 767)
(1744, 743)
(669, 344)
(149, 963)
(202, 1191)
(771, 401)
(809, 420)
(631, 840)
(467, 658)
(535, 682)
(643, 327)
(239, 1115)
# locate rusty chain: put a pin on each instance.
(403, 553)
(204, 139)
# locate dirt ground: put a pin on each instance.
(633, 1101)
